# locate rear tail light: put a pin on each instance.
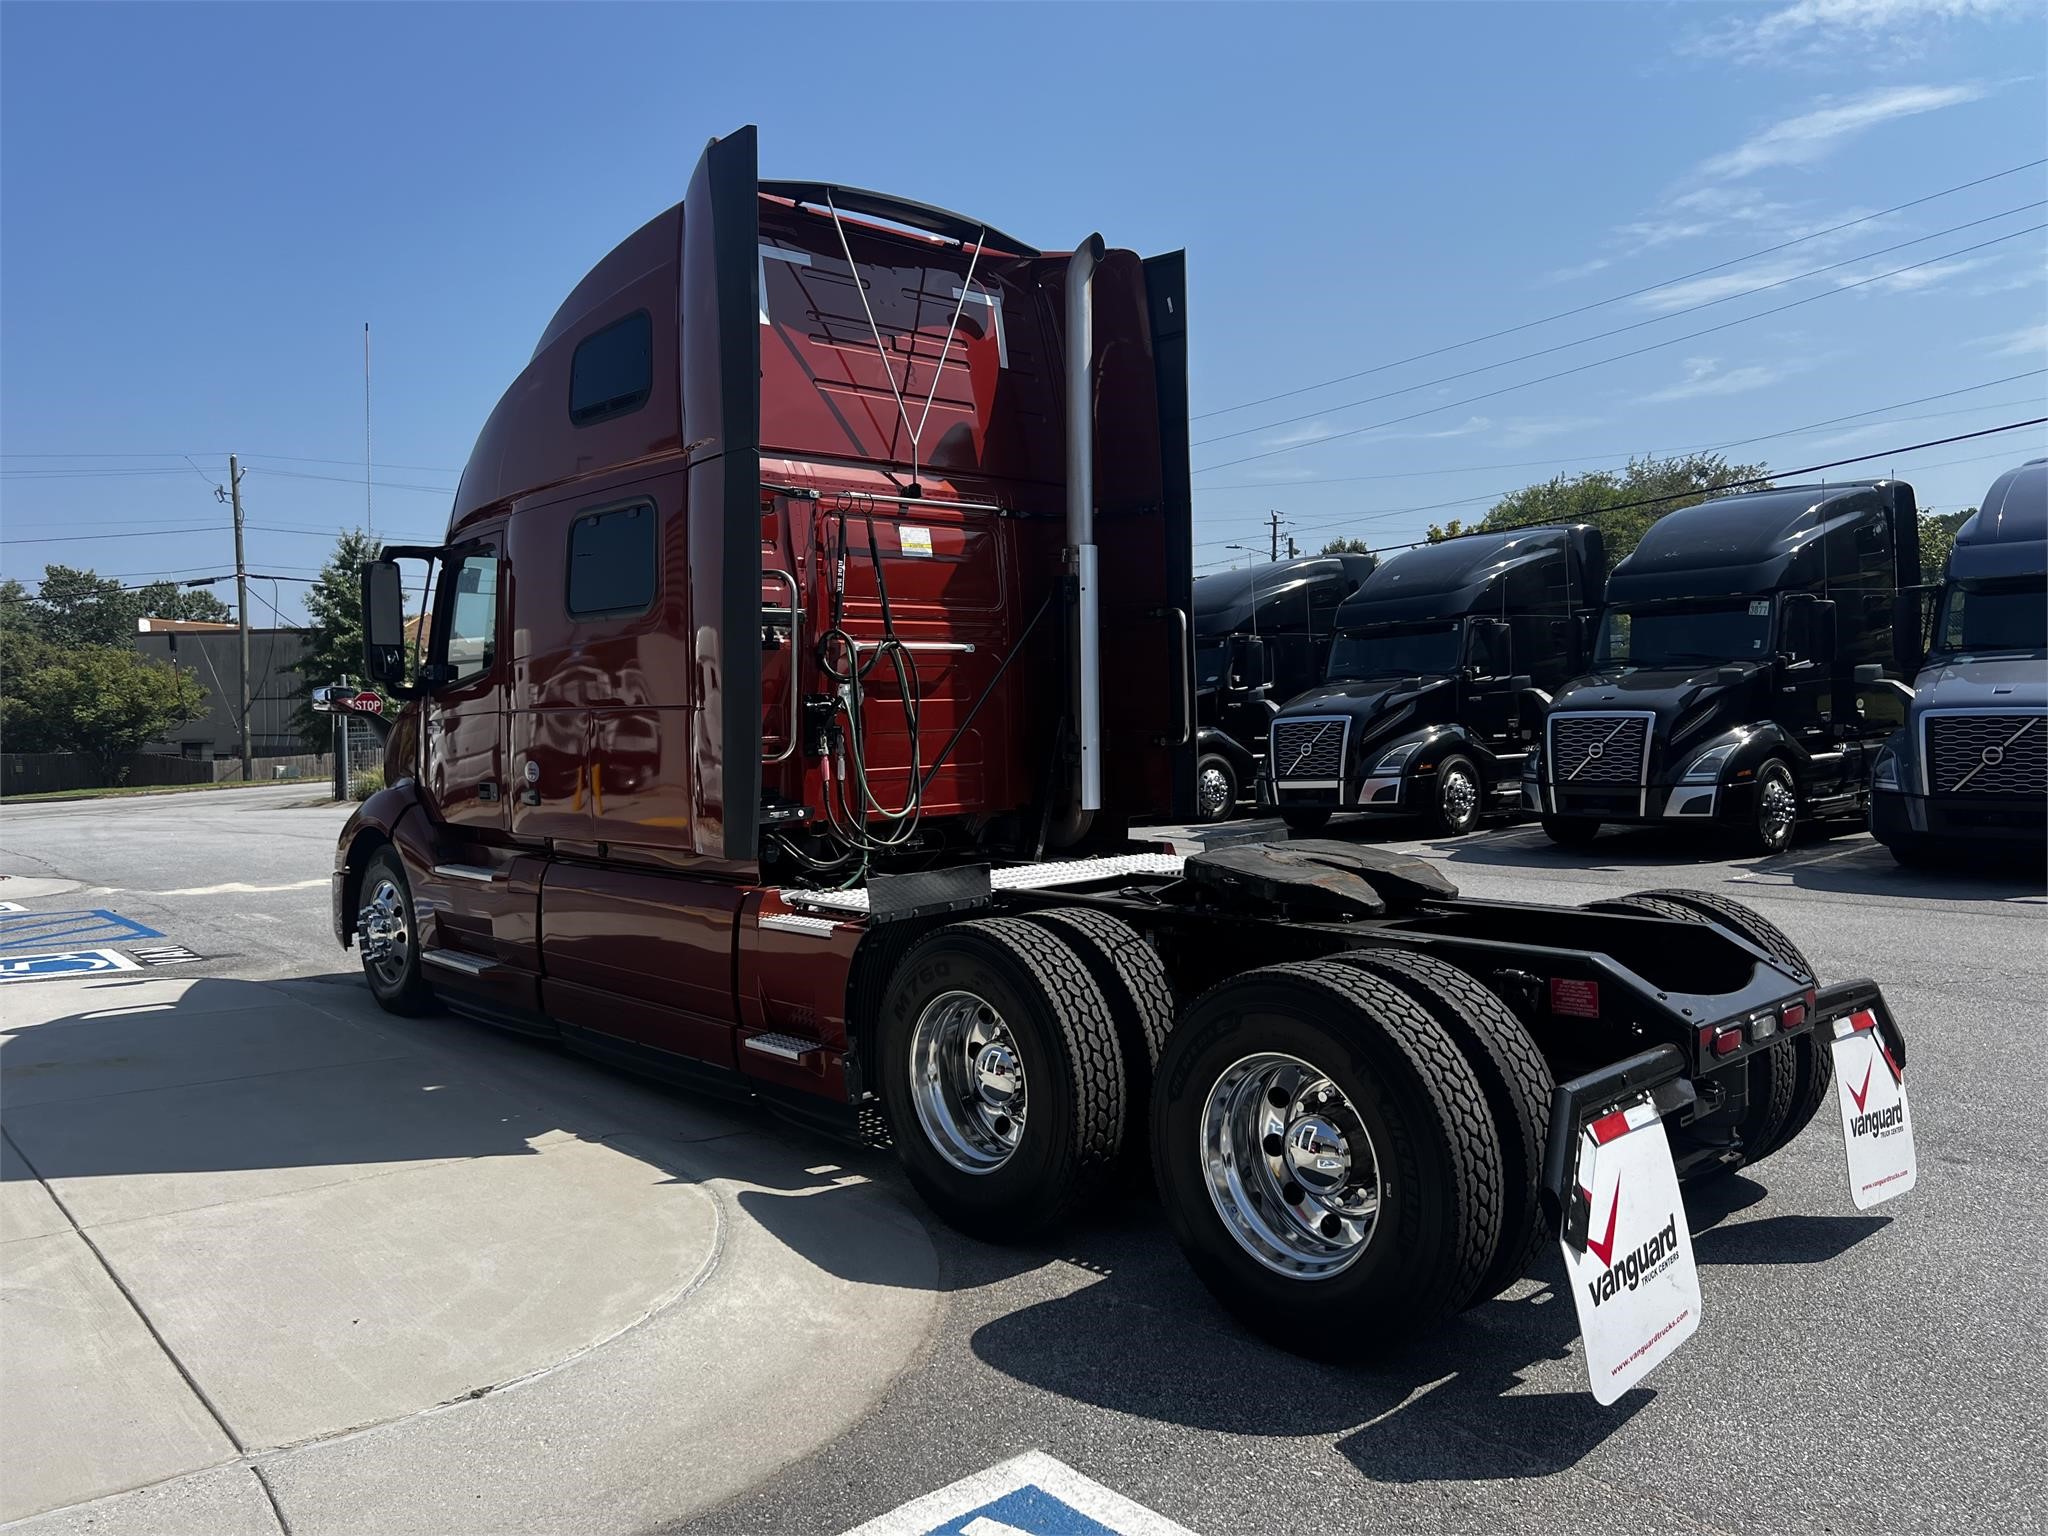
(1795, 1015)
(1728, 1040)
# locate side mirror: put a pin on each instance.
(383, 622)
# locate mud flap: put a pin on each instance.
(1877, 1127)
(1631, 1268)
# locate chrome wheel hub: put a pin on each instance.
(1289, 1166)
(383, 933)
(1460, 797)
(967, 1082)
(1212, 789)
(1777, 809)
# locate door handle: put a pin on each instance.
(1184, 696)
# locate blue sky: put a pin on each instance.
(201, 206)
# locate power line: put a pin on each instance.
(1729, 485)
(1812, 426)
(1601, 362)
(287, 458)
(1672, 282)
(1634, 325)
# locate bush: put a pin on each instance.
(366, 783)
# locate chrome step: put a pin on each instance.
(783, 1047)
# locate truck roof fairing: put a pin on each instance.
(1462, 575)
(1753, 542)
(2008, 535)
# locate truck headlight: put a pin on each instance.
(1532, 765)
(1392, 760)
(1706, 768)
(1884, 774)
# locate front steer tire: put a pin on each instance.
(1305, 822)
(1059, 1028)
(390, 942)
(1404, 1086)
(1570, 831)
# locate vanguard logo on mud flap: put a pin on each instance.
(1632, 1269)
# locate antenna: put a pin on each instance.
(369, 521)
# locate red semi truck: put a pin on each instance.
(811, 625)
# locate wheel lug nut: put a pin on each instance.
(1293, 1193)
(1331, 1226)
(1002, 1126)
(1277, 1097)
(1273, 1145)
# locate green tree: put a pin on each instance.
(1937, 538)
(334, 637)
(168, 600)
(104, 701)
(1346, 547)
(73, 608)
(1607, 500)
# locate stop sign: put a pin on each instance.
(366, 703)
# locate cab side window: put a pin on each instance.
(472, 608)
(612, 562)
(612, 373)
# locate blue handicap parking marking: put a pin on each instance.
(65, 962)
(1029, 1495)
(43, 930)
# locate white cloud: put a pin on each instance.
(1716, 285)
(1703, 376)
(1918, 279)
(2027, 341)
(2012, 282)
(1809, 26)
(1583, 269)
(1307, 432)
(1521, 431)
(1813, 136)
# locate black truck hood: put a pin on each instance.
(1363, 701)
(1667, 692)
(1965, 681)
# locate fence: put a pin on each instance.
(32, 773)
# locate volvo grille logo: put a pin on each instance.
(1993, 756)
(1596, 749)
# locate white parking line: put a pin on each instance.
(1029, 1495)
(239, 888)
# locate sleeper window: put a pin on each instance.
(613, 371)
(611, 562)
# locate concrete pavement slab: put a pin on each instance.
(151, 1153)
(25, 1005)
(221, 1501)
(823, 1293)
(327, 1309)
(129, 1051)
(91, 1405)
(26, 1209)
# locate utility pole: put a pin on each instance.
(241, 612)
(369, 518)
(1273, 517)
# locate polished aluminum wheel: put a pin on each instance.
(1458, 794)
(1290, 1166)
(1213, 793)
(1777, 807)
(967, 1082)
(385, 936)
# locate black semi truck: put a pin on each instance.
(1738, 679)
(1437, 682)
(1968, 775)
(1261, 635)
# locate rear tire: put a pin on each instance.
(1460, 796)
(1789, 1082)
(1133, 983)
(1321, 1072)
(1305, 823)
(1001, 1076)
(1512, 1074)
(1570, 831)
(388, 937)
(1216, 789)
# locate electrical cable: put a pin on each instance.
(1672, 282)
(1601, 362)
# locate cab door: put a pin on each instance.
(463, 721)
(1804, 706)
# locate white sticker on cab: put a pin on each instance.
(915, 541)
(1636, 1286)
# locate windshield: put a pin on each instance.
(1685, 634)
(1418, 650)
(1212, 660)
(2008, 616)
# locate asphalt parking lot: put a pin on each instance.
(1852, 1371)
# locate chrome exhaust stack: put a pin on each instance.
(1085, 634)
